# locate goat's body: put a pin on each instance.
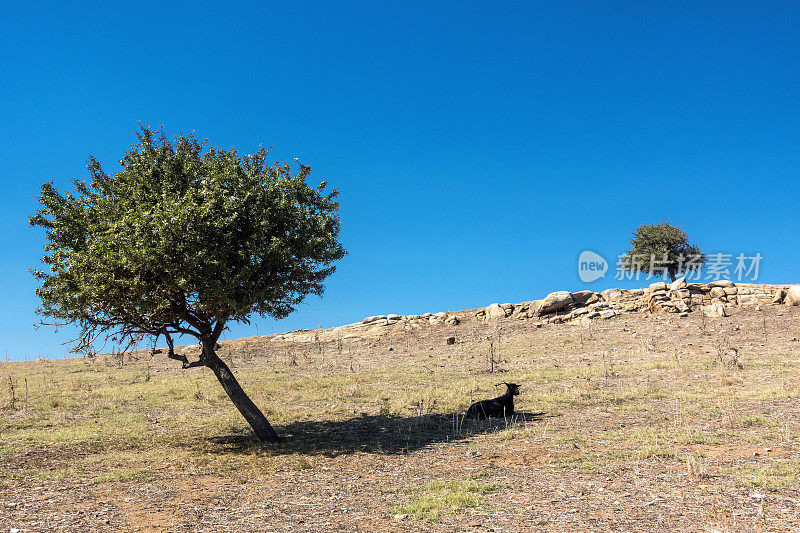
(499, 407)
(495, 408)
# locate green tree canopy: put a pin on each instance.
(664, 246)
(182, 241)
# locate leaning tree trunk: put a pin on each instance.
(243, 403)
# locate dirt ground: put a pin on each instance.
(637, 423)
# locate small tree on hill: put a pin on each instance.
(182, 241)
(661, 247)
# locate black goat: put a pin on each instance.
(499, 407)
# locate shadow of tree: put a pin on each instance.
(373, 434)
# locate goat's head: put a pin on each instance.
(513, 388)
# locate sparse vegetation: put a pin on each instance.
(388, 438)
(437, 499)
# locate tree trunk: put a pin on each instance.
(243, 403)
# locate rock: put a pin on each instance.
(660, 294)
(681, 306)
(684, 314)
(508, 308)
(554, 302)
(697, 299)
(581, 297)
(722, 283)
(610, 295)
(717, 292)
(793, 295)
(715, 310)
(393, 317)
(450, 340)
(371, 319)
(730, 291)
(657, 286)
(608, 313)
(494, 311)
(452, 320)
(667, 307)
(596, 297)
(593, 314)
(748, 299)
(780, 294)
(678, 284)
(681, 293)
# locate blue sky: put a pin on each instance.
(479, 147)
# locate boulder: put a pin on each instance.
(715, 310)
(722, 283)
(681, 293)
(393, 317)
(610, 295)
(717, 292)
(608, 313)
(678, 284)
(494, 311)
(780, 294)
(581, 297)
(748, 299)
(452, 320)
(660, 294)
(657, 286)
(793, 295)
(554, 302)
(371, 319)
(681, 306)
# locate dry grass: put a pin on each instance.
(638, 423)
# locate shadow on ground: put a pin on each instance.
(374, 434)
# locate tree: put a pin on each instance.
(661, 246)
(183, 241)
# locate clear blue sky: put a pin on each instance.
(479, 147)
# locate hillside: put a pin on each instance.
(636, 414)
